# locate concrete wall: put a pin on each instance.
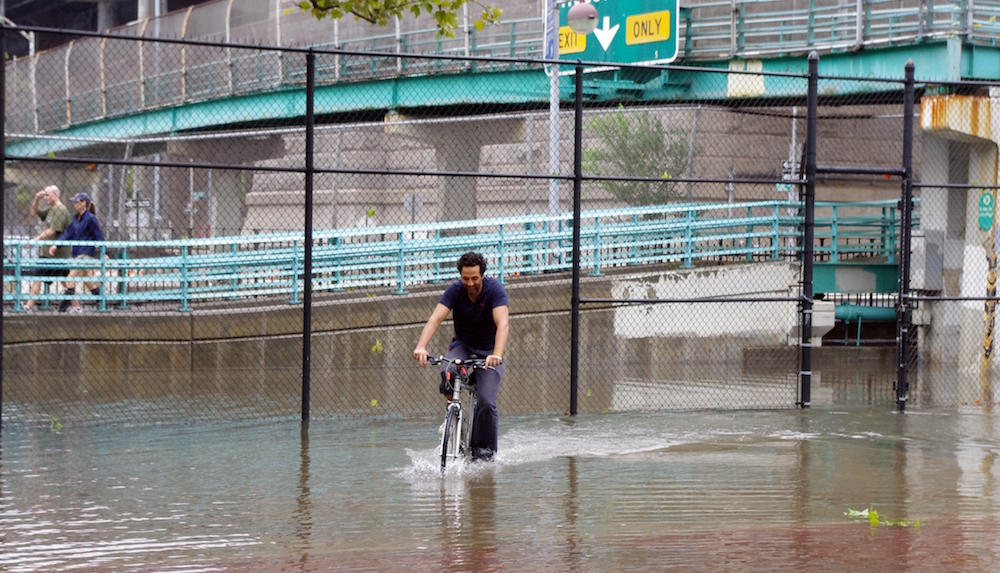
(250, 359)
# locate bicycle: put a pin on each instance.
(457, 427)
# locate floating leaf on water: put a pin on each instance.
(855, 514)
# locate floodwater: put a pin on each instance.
(695, 491)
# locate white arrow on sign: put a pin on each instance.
(605, 34)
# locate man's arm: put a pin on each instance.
(500, 317)
(34, 204)
(44, 235)
(52, 249)
(437, 317)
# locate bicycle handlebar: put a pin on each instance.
(474, 362)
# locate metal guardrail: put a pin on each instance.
(186, 272)
(171, 75)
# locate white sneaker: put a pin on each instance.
(74, 310)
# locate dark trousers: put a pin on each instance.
(483, 441)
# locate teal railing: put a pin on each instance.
(183, 273)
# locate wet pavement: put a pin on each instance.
(694, 491)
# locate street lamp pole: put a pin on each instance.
(582, 18)
(552, 53)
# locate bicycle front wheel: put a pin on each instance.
(450, 438)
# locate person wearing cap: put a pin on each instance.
(83, 227)
(54, 218)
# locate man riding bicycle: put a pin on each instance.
(480, 313)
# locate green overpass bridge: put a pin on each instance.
(68, 98)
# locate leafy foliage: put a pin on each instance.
(637, 145)
(444, 12)
(871, 516)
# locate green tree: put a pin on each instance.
(637, 145)
(444, 12)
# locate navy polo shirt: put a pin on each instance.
(474, 324)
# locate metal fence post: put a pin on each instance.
(905, 236)
(805, 347)
(307, 266)
(3, 200)
(574, 364)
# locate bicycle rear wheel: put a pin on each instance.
(450, 439)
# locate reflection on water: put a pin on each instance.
(681, 492)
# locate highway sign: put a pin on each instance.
(628, 32)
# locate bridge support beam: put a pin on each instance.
(961, 138)
(457, 149)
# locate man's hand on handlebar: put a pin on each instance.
(420, 355)
(493, 360)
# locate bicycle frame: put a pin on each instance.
(457, 425)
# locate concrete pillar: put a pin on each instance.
(212, 202)
(457, 148)
(148, 9)
(971, 127)
(105, 15)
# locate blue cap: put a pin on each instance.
(80, 197)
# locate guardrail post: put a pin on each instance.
(500, 256)
(184, 279)
(18, 277)
(834, 241)
(635, 241)
(337, 241)
(811, 25)
(597, 248)
(400, 263)
(232, 281)
(749, 245)
(123, 282)
(102, 305)
(859, 24)
(437, 259)
(887, 236)
(689, 217)
(776, 234)
(685, 12)
(295, 274)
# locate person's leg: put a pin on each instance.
(34, 290)
(92, 287)
(65, 303)
(486, 417)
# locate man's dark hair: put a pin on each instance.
(472, 259)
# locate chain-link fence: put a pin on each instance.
(225, 177)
